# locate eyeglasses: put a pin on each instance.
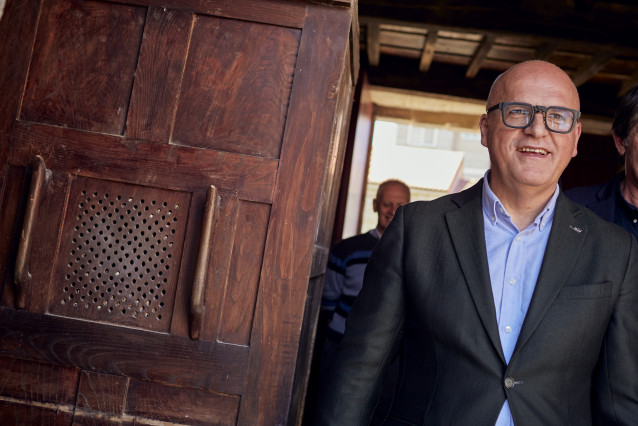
(519, 115)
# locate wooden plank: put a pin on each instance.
(595, 64)
(287, 13)
(19, 413)
(545, 50)
(103, 393)
(428, 51)
(237, 312)
(401, 39)
(173, 167)
(181, 405)
(162, 57)
(17, 31)
(219, 265)
(290, 240)
(628, 84)
(114, 350)
(480, 55)
(27, 380)
(373, 43)
(82, 75)
(234, 97)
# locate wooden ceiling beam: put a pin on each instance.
(545, 49)
(597, 62)
(628, 85)
(373, 43)
(480, 55)
(428, 51)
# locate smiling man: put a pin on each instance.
(508, 303)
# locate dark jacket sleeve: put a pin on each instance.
(373, 335)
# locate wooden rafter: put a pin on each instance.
(480, 55)
(600, 58)
(428, 51)
(373, 44)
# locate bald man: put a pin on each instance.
(507, 303)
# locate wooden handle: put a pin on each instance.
(22, 276)
(199, 283)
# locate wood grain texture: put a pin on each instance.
(29, 381)
(247, 256)
(181, 405)
(234, 96)
(121, 351)
(295, 215)
(103, 393)
(161, 60)
(17, 31)
(83, 65)
(17, 413)
(144, 163)
(286, 13)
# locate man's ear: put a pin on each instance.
(483, 127)
(620, 144)
(375, 205)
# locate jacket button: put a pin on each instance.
(509, 382)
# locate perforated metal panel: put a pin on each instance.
(120, 253)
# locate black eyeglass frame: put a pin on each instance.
(536, 109)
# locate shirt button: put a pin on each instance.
(509, 382)
(518, 239)
(508, 329)
(512, 281)
(635, 220)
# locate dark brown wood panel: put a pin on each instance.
(188, 169)
(219, 265)
(247, 254)
(285, 13)
(182, 405)
(82, 72)
(295, 213)
(28, 381)
(16, 39)
(13, 413)
(103, 393)
(161, 58)
(234, 97)
(123, 351)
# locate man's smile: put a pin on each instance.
(540, 151)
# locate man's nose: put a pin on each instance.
(537, 128)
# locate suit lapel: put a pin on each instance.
(563, 248)
(465, 225)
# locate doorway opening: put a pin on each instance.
(430, 142)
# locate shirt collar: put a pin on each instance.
(375, 233)
(494, 210)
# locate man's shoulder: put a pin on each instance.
(364, 241)
(594, 193)
(596, 225)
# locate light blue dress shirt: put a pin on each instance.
(514, 259)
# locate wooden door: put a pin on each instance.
(167, 168)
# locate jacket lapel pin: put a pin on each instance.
(575, 228)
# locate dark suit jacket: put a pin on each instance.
(427, 291)
(601, 199)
